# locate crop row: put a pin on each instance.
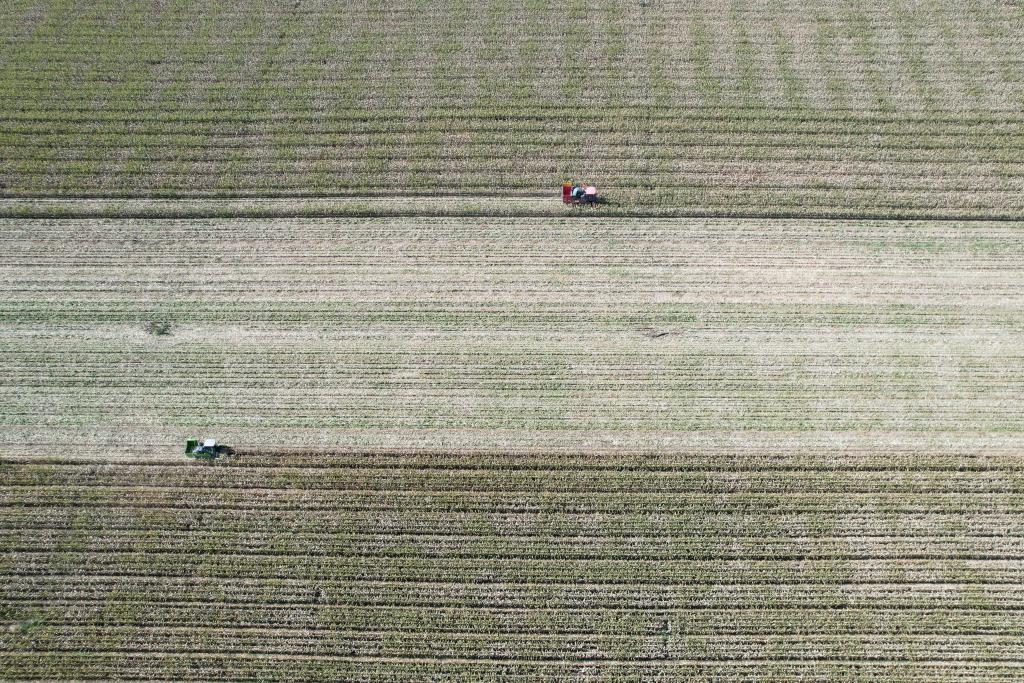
(573, 502)
(543, 415)
(620, 142)
(701, 519)
(315, 642)
(509, 120)
(410, 570)
(671, 378)
(648, 546)
(652, 242)
(703, 453)
(511, 481)
(984, 189)
(212, 666)
(434, 315)
(714, 592)
(132, 607)
(25, 511)
(671, 202)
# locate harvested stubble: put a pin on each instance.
(658, 449)
(887, 107)
(300, 329)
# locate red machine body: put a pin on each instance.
(579, 194)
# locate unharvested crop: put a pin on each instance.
(801, 107)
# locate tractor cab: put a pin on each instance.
(207, 449)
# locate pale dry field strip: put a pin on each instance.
(522, 325)
(511, 449)
(769, 107)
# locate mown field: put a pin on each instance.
(512, 449)
(764, 107)
(293, 331)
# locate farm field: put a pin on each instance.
(283, 330)
(748, 107)
(769, 559)
(512, 449)
(754, 418)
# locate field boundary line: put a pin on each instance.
(552, 661)
(425, 206)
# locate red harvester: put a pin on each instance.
(579, 194)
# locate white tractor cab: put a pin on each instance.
(207, 449)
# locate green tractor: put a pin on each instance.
(207, 449)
